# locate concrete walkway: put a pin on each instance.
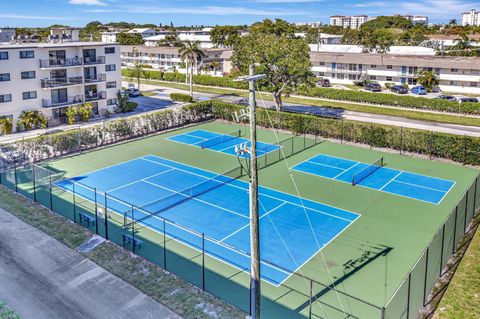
(40, 278)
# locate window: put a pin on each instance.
(111, 85)
(389, 79)
(475, 71)
(373, 77)
(389, 67)
(453, 83)
(473, 84)
(110, 67)
(27, 54)
(321, 63)
(454, 70)
(373, 66)
(5, 98)
(437, 71)
(28, 75)
(3, 55)
(109, 50)
(4, 77)
(29, 95)
(112, 102)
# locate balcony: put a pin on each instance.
(59, 82)
(72, 100)
(95, 96)
(60, 63)
(98, 78)
(94, 60)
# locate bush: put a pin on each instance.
(181, 97)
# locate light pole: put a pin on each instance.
(254, 218)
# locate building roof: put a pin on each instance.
(341, 48)
(52, 45)
(141, 30)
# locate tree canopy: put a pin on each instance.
(387, 22)
(226, 36)
(130, 39)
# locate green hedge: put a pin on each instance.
(458, 148)
(181, 97)
(325, 93)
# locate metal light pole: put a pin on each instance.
(254, 216)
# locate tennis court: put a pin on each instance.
(377, 176)
(293, 230)
(218, 142)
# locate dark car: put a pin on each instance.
(324, 83)
(419, 90)
(399, 89)
(373, 87)
(447, 97)
(468, 100)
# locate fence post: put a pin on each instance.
(382, 313)
(466, 209)
(15, 174)
(455, 230)
(133, 230)
(203, 261)
(408, 294)
(164, 246)
(34, 184)
(74, 204)
(105, 217)
(96, 211)
(425, 279)
(50, 189)
(475, 197)
(310, 300)
(441, 252)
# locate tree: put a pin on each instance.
(86, 110)
(130, 39)
(284, 60)
(31, 119)
(7, 125)
(225, 36)
(137, 71)
(92, 30)
(215, 65)
(71, 114)
(428, 79)
(191, 53)
(387, 22)
(123, 104)
(278, 28)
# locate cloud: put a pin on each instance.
(99, 3)
(31, 17)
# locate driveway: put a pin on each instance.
(40, 278)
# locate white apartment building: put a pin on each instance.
(417, 19)
(200, 36)
(352, 22)
(168, 59)
(144, 32)
(471, 18)
(49, 77)
(7, 34)
(456, 74)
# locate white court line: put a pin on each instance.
(346, 171)
(139, 180)
(425, 187)
(235, 232)
(391, 180)
(326, 165)
(266, 195)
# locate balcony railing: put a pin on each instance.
(72, 100)
(98, 78)
(94, 60)
(95, 96)
(57, 82)
(60, 63)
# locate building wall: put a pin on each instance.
(7, 34)
(471, 18)
(49, 77)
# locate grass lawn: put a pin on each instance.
(6, 312)
(462, 298)
(406, 113)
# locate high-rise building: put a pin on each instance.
(353, 22)
(471, 18)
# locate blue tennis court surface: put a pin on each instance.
(219, 142)
(415, 186)
(292, 230)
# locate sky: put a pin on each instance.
(215, 12)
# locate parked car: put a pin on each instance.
(399, 89)
(243, 101)
(419, 90)
(324, 83)
(447, 97)
(468, 100)
(373, 87)
(132, 92)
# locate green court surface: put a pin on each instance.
(367, 262)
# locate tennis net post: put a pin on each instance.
(367, 171)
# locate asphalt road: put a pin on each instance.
(40, 278)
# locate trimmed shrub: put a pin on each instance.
(179, 97)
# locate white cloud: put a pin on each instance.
(88, 2)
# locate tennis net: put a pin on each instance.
(367, 171)
(153, 209)
(221, 139)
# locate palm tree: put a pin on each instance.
(191, 53)
(137, 72)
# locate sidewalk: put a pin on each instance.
(41, 278)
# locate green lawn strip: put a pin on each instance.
(462, 298)
(149, 93)
(170, 290)
(406, 113)
(6, 312)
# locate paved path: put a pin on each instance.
(40, 278)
